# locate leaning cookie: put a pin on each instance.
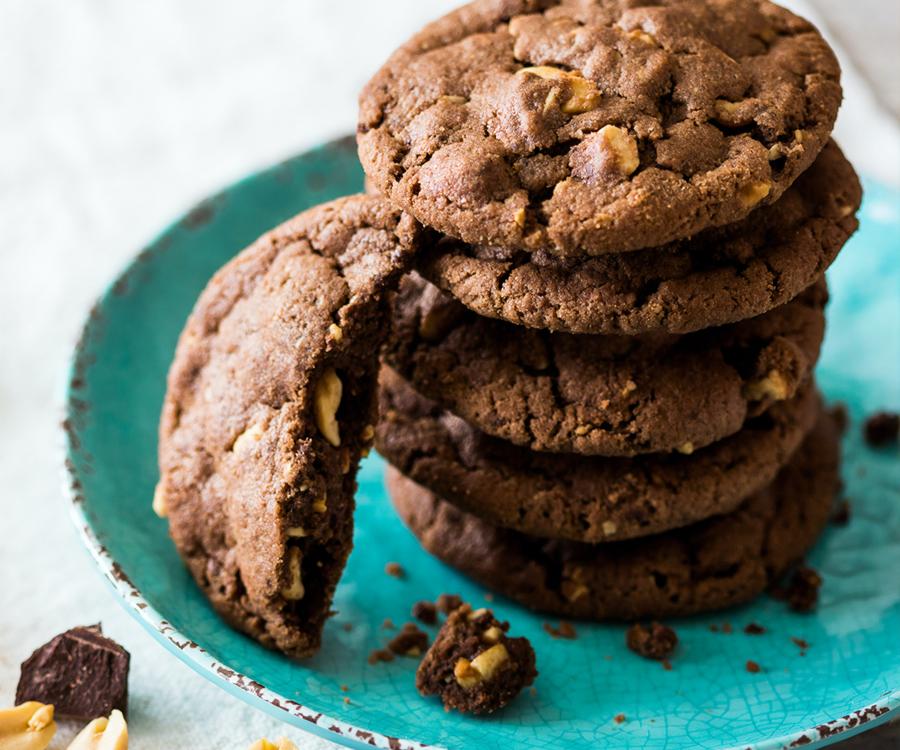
(716, 277)
(589, 128)
(725, 561)
(583, 498)
(270, 405)
(603, 395)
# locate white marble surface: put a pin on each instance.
(114, 117)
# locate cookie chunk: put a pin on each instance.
(583, 498)
(604, 395)
(270, 405)
(653, 641)
(589, 128)
(716, 277)
(711, 565)
(473, 665)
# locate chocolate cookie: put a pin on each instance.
(584, 498)
(607, 395)
(270, 404)
(584, 128)
(719, 276)
(473, 665)
(711, 565)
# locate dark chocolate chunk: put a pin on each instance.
(81, 672)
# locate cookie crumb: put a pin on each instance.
(754, 628)
(388, 624)
(653, 641)
(802, 593)
(800, 643)
(726, 628)
(840, 416)
(533, 691)
(446, 603)
(842, 513)
(566, 630)
(473, 665)
(489, 597)
(347, 626)
(346, 700)
(344, 688)
(713, 628)
(379, 655)
(752, 667)
(619, 718)
(882, 429)
(395, 570)
(667, 665)
(425, 612)
(410, 641)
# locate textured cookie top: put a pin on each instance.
(269, 398)
(719, 276)
(595, 126)
(605, 395)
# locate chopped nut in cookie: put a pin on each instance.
(329, 391)
(654, 641)
(473, 665)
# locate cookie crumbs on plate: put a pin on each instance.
(752, 667)
(726, 628)
(425, 611)
(346, 700)
(489, 597)
(395, 570)
(565, 630)
(802, 592)
(754, 628)
(446, 603)
(653, 641)
(344, 688)
(380, 654)
(882, 429)
(667, 665)
(619, 718)
(842, 513)
(800, 643)
(388, 624)
(840, 416)
(410, 641)
(713, 628)
(347, 626)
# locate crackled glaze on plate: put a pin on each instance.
(848, 680)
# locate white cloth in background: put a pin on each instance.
(114, 118)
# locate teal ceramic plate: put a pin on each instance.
(848, 680)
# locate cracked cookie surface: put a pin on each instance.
(719, 276)
(603, 395)
(711, 565)
(584, 127)
(270, 403)
(583, 498)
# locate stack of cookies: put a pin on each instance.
(599, 399)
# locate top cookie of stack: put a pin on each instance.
(583, 128)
